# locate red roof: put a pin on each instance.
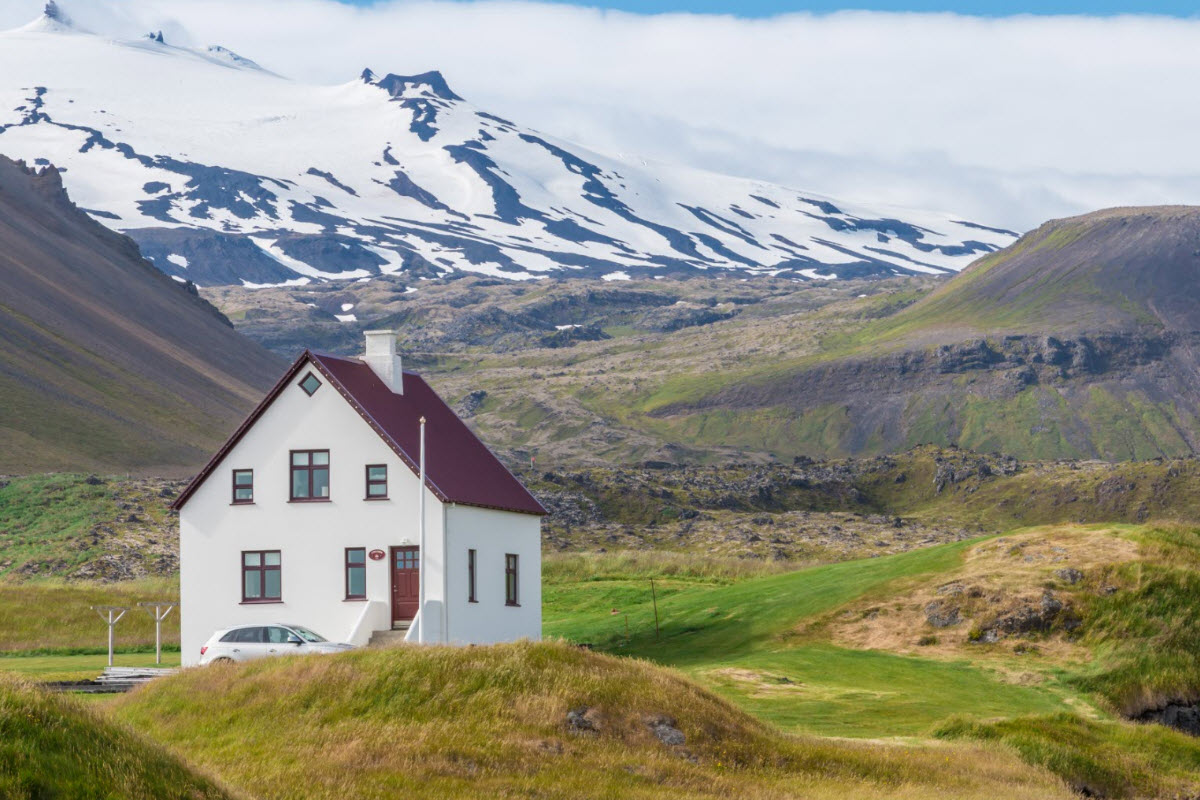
(459, 468)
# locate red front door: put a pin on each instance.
(406, 583)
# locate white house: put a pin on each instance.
(311, 514)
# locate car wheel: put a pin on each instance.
(222, 660)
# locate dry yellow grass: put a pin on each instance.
(998, 576)
(491, 722)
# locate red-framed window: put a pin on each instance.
(471, 577)
(511, 578)
(243, 486)
(261, 579)
(356, 573)
(377, 482)
(310, 475)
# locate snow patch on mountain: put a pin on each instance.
(225, 170)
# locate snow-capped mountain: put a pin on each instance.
(224, 172)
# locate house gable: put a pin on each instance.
(459, 467)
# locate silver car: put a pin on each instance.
(248, 642)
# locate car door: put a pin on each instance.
(277, 642)
(248, 644)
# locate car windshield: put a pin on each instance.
(306, 634)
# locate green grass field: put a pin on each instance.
(56, 618)
(761, 667)
(747, 629)
(78, 666)
(764, 644)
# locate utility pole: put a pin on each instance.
(421, 621)
(654, 597)
(160, 611)
(106, 614)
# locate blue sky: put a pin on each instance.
(766, 8)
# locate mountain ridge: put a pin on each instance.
(269, 181)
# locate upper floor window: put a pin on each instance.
(260, 576)
(310, 383)
(243, 486)
(510, 580)
(377, 482)
(310, 475)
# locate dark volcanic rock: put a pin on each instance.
(1068, 575)
(470, 403)
(665, 730)
(941, 614)
(1034, 618)
(583, 720)
(1180, 716)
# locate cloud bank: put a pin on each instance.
(1008, 121)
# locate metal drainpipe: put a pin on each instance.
(445, 577)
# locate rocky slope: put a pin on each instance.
(107, 363)
(82, 527)
(1077, 341)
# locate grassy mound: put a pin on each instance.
(493, 721)
(1145, 625)
(51, 747)
(1097, 758)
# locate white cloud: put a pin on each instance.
(1006, 121)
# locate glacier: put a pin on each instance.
(224, 172)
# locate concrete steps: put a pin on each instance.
(392, 638)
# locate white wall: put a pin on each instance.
(493, 534)
(310, 536)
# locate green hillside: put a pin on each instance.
(52, 747)
(931, 672)
(1075, 342)
(1115, 270)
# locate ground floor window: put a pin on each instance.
(510, 579)
(260, 576)
(356, 573)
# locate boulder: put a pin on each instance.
(665, 730)
(940, 614)
(1068, 575)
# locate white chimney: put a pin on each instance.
(382, 359)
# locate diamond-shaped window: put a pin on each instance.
(310, 384)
